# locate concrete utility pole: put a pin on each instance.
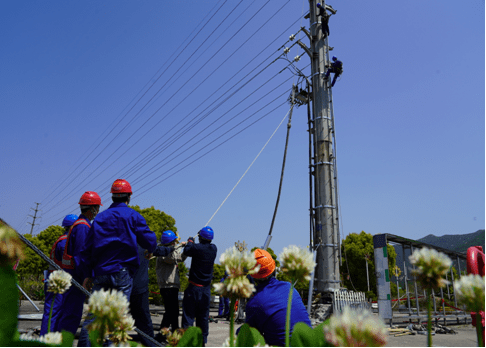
(325, 211)
(34, 217)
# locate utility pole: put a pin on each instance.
(326, 240)
(34, 217)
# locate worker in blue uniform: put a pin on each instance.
(56, 256)
(110, 255)
(197, 296)
(324, 20)
(336, 68)
(72, 308)
(139, 299)
(266, 310)
(223, 310)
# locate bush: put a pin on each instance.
(33, 286)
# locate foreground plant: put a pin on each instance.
(431, 267)
(355, 329)
(110, 309)
(298, 264)
(470, 292)
(11, 247)
(173, 338)
(58, 283)
(238, 264)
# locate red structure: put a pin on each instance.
(475, 265)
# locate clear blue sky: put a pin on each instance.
(77, 113)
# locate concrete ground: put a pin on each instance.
(219, 332)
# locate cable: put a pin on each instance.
(275, 131)
(283, 165)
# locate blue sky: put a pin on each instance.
(89, 89)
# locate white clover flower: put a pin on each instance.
(431, 267)
(111, 304)
(292, 37)
(59, 282)
(355, 329)
(122, 327)
(470, 292)
(27, 337)
(226, 343)
(297, 263)
(52, 338)
(11, 247)
(286, 50)
(237, 265)
(297, 58)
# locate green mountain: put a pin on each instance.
(456, 242)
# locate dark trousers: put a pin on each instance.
(121, 281)
(196, 305)
(71, 310)
(139, 309)
(171, 305)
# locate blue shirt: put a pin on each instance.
(112, 241)
(77, 241)
(267, 310)
(141, 278)
(203, 255)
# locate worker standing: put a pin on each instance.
(110, 255)
(223, 310)
(72, 308)
(197, 296)
(56, 256)
(139, 299)
(324, 20)
(168, 280)
(336, 68)
(266, 310)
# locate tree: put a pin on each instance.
(218, 273)
(33, 264)
(355, 248)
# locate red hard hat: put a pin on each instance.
(121, 186)
(90, 198)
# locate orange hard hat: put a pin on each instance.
(90, 198)
(266, 262)
(121, 186)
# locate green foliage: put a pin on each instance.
(33, 287)
(157, 220)
(191, 338)
(33, 263)
(249, 337)
(304, 336)
(9, 305)
(354, 249)
(183, 275)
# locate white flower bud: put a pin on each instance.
(59, 282)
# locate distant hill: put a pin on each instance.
(456, 242)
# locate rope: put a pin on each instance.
(74, 282)
(249, 166)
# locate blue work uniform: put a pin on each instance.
(223, 310)
(336, 68)
(111, 252)
(139, 299)
(72, 308)
(267, 310)
(58, 299)
(197, 296)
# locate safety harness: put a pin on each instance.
(68, 260)
(53, 253)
